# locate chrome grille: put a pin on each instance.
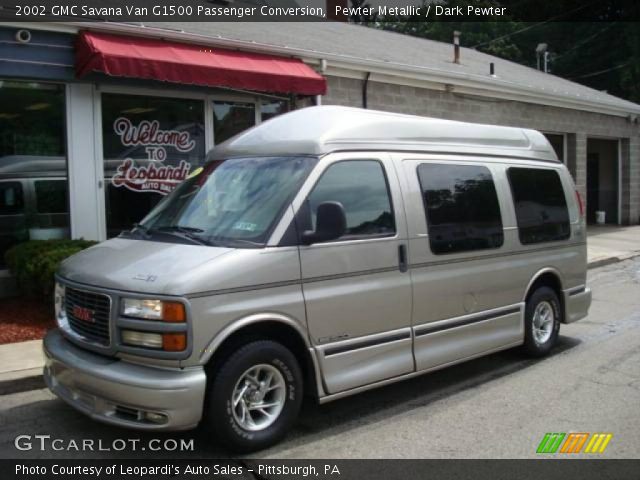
(88, 314)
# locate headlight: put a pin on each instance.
(150, 309)
(58, 301)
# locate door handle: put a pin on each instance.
(402, 258)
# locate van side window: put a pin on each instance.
(540, 204)
(461, 204)
(361, 187)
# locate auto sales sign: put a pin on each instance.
(154, 175)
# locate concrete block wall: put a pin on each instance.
(576, 150)
(579, 125)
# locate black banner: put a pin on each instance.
(544, 469)
(361, 11)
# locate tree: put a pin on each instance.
(603, 54)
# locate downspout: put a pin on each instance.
(365, 84)
(323, 68)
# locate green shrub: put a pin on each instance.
(34, 262)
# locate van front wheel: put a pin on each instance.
(255, 396)
(541, 322)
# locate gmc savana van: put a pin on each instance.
(324, 252)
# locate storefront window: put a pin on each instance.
(273, 109)
(51, 196)
(33, 164)
(150, 145)
(231, 118)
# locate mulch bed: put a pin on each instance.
(24, 318)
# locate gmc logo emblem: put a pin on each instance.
(82, 313)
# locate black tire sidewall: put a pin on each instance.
(542, 294)
(220, 416)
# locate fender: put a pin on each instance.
(251, 320)
(537, 275)
(257, 318)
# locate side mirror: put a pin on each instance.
(331, 223)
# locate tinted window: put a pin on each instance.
(462, 208)
(541, 207)
(361, 187)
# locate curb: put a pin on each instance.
(604, 262)
(33, 380)
(610, 260)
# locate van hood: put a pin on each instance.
(139, 265)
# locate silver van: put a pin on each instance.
(325, 252)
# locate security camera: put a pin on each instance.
(23, 36)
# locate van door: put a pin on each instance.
(357, 288)
(466, 298)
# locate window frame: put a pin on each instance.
(349, 238)
(515, 210)
(426, 210)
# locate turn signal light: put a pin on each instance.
(173, 312)
(174, 342)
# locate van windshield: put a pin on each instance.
(231, 203)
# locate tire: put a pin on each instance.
(541, 322)
(235, 395)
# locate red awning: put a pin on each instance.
(193, 64)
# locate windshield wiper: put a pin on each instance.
(138, 229)
(230, 242)
(179, 228)
(187, 233)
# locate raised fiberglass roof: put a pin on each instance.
(321, 130)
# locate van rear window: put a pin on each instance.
(461, 204)
(540, 205)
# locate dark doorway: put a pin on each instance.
(602, 180)
(593, 179)
(557, 142)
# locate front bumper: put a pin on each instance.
(121, 393)
(578, 302)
